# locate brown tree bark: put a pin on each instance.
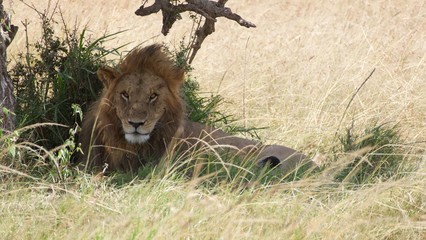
(210, 10)
(7, 99)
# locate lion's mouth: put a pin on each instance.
(136, 138)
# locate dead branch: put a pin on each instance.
(210, 10)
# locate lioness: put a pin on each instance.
(140, 115)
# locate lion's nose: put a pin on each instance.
(136, 124)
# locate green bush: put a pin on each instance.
(52, 75)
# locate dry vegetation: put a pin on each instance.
(295, 73)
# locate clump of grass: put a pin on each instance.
(21, 159)
(379, 155)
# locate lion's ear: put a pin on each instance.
(107, 75)
(177, 77)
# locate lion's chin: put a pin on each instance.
(135, 138)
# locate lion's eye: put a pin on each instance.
(125, 96)
(153, 97)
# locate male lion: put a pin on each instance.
(140, 116)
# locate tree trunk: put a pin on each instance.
(7, 100)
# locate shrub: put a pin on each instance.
(52, 75)
(380, 157)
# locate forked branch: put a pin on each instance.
(210, 10)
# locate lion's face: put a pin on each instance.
(139, 100)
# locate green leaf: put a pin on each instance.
(12, 150)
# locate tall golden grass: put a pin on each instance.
(295, 74)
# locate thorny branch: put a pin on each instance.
(210, 10)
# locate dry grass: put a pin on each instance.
(294, 73)
(172, 209)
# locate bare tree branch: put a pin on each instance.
(201, 34)
(154, 8)
(210, 10)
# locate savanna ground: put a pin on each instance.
(295, 74)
